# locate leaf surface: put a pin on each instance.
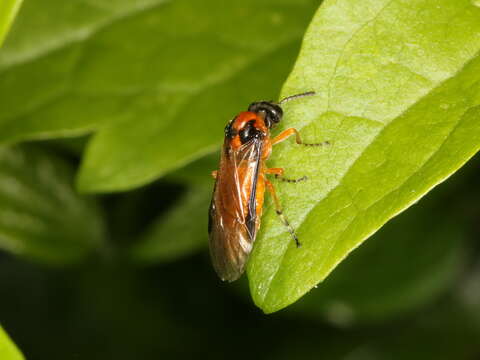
(158, 78)
(8, 350)
(41, 216)
(208, 61)
(8, 10)
(183, 229)
(398, 87)
(408, 263)
(178, 233)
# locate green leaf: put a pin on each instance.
(398, 89)
(41, 216)
(8, 11)
(167, 74)
(179, 232)
(407, 264)
(50, 72)
(198, 172)
(8, 350)
(205, 61)
(183, 229)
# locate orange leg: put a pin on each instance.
(214, 174)
(279, 211)
(278, 172)
(289, 132)
(274, 171)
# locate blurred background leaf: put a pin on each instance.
(444, 331)
(400, 105)
(8, 350)
(185, 91)
(183, 229)
(41, 216)
(44, 67)
(8, 11)
(177, 233)
(142, 68)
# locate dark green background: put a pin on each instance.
(106, 308)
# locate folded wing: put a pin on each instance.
(233, 219)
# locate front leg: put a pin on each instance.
(289, 132)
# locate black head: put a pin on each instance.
(271, 112)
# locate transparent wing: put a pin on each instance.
(232, 220)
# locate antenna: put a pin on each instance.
(292, 97)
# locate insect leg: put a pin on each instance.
(289, 132)
(278, 172)
(279, 211)
(214, 174)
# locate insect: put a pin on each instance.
(237, 201)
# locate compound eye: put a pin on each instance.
(272, 117)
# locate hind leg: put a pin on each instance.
(278, 208)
